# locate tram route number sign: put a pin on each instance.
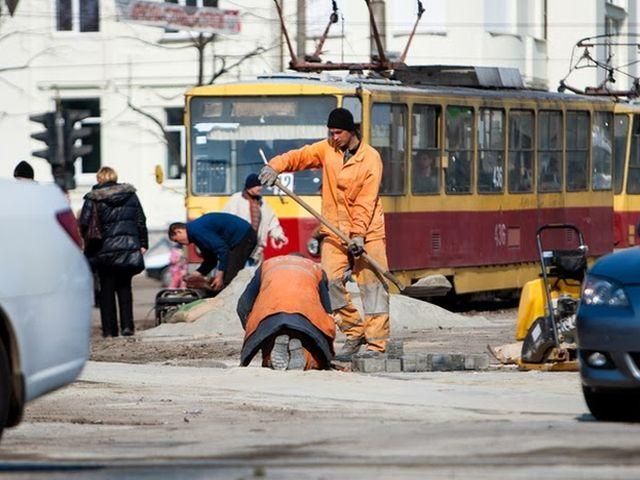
(179, 17)
(286, 179)
(500, 234)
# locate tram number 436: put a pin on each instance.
(500, 234)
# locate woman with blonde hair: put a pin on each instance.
(113, 226)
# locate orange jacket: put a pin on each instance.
(290, 284)
(349, 190)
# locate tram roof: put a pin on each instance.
(383, 85)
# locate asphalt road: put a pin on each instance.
(169, 420)
(130, 421)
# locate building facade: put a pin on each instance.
(132, 77)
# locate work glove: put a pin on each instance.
(356, 246)
(268, 176)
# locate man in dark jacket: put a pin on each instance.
(223, 239)
(113, 226)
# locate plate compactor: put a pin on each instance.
(548, 305)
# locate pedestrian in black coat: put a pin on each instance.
(115, 239)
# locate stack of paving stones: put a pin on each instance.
(396, 361)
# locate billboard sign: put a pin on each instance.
(179, 17)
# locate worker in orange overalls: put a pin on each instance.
(351, 176)
(286, 312)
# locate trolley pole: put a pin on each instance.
(301, 24)
(378, 11)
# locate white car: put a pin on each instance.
(46, 295)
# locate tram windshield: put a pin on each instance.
(227, 134)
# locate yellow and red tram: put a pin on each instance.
(469, 173)
(626, 174)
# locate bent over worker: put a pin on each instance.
(224, 240)
(351, 176)
(285, 311)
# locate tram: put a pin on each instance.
(470, 172)
(626, 174)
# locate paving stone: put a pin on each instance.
(393, 365)
(422, 362)
(476, 361)
(409, 362)
(445, 362)
(369, 365)
(395, 348)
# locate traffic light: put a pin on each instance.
(73, 147)
(52, 153)
(72, 133)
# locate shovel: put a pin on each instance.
(432, 285)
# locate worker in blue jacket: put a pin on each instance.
(224, 240)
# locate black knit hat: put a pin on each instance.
(23, 170)
(341, 119)
(252, 181)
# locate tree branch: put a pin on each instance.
(224, 69)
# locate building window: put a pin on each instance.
(550, 134)
(490, 151)
(175, 143)
(425, 163)
(388, 137)
(459, 149)
(577, 150)
(520, 151)
(78, 15)
(91, 162)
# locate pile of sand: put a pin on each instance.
(217, 316)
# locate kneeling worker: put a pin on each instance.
(285, 312)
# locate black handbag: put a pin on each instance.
(94, 229)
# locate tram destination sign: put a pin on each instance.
(179, 17)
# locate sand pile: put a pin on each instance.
(217, 316)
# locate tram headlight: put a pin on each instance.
(598, 291)
(313, 247)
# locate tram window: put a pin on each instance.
(549, 151)
(227, 134)
(577, 150)
(490, 150)
(601, 150)
(388, 137)
(633, 181)
(354, 105)
(620, 132)
(425, 162)
(459, 148)
(520, 151)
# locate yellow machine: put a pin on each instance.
(548, 305)
(533, 302)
